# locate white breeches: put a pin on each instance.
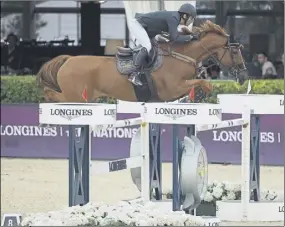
(138, 32)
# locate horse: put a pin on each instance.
(65, 78)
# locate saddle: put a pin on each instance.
(125, 58)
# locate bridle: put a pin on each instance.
(233, 70)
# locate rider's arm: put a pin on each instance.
(173, 31)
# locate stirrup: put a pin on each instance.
(135, 80)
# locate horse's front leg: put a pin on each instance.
(205, 85)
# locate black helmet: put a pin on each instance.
(189, 9)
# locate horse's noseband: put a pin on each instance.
(236, 68)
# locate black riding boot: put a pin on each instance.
(141, 58)
(140, 61)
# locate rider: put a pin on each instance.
(148, 25)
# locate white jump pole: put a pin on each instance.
(223, 124)
(145, 168)
(245, 167)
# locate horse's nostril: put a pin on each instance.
(240, 80)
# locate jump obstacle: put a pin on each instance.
(149, 159)
(247, 210)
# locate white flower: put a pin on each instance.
(270, 195)
(108, 221)
(160, 220)
(229, 187)
(172, 220)
(208, 197)
(236, 187)
(167, 194)
(225, 183)
(224, 198)
(280, 196)
(217, 192)
(194, 221)
(142, 222)
(220, 185)
(231, 196)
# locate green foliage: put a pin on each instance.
(23, 89)
(20, 89)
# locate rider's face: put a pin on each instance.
(184, 19)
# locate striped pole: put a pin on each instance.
(223, 124)
(118, 124)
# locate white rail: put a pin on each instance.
(118, 124)
(223, 124)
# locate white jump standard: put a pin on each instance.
(80, 144)
(190, 160)
(247, 210)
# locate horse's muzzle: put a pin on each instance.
(239, 72)
(241, 77)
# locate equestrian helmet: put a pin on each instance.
(188, 9)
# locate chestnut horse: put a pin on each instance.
(64, 78)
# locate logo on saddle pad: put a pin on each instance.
(70, 114)
(175, 113)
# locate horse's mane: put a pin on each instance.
(209, 26)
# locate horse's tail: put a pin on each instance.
(47, 76)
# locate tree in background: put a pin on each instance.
(12, 23)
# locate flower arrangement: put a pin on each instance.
(228, 191)
(222, 191)
(142, 213)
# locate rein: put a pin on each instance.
(227, 47)
(179, 56)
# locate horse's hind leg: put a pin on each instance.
(53, 96)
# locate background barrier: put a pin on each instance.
(21, 137)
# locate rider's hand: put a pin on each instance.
(194, 37)
(184, 30)
(165, 34)
(161, 38)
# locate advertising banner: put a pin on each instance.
(21, 136)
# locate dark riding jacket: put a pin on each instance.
(162, 21)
